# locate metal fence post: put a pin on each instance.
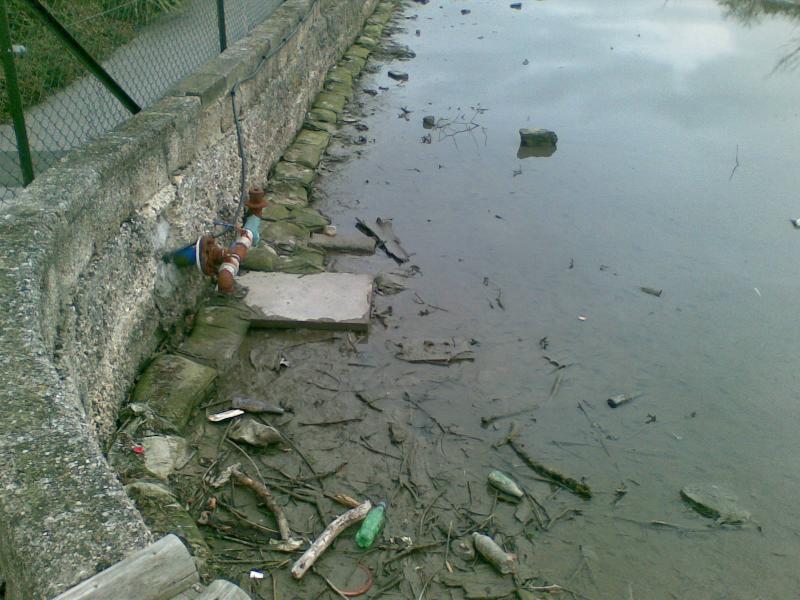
(223, 34)
(14, 98)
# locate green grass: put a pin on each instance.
(100, 26)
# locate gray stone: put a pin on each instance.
(341, 243)
(294, 173)
(165, 454)
(322, 301)
(252, 432)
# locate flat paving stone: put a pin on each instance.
(320, 301)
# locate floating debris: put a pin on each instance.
(494, 554)
(442, 352)
(505, 484)
(384, 234)
(652, 291)
(620, 399)
(225, 415)
(715, 502)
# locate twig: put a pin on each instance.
(736, 166)
(266, 496)
(342, 522)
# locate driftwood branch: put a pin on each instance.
(337, 526)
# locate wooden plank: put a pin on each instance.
(158, 572)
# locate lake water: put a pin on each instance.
(676, 169)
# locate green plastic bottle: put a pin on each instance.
(371, 526)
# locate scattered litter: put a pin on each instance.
(795, 222)
(342, 522)
(442, 352)
(398, 75)
(225, 415)
(329, 230)
(620, 399)
(371, 527)
(582, 318)
(137, 449)
(505, 484)
(252, 405)
(715, 502)
(526, 62)
(388, 284)
(494, 554)
(465, 11)
(652, 291)
(383, 232)
(755, 289)
(254, 433)
(256, 575)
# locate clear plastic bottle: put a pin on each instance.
(371, 526)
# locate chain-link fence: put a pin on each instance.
(143, 46)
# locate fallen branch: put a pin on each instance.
(574, 486)
(342, 522)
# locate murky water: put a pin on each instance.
(654, 104)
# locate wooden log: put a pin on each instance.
(337, 526)
(159, 572)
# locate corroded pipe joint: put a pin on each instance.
(230, 264)
(256, 201)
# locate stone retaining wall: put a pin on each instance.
(86, 298)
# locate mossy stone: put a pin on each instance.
(281, 231)
(340, 88)
(320, 114)
(304, 154)
(294, 173)
(260, 259)
(217, 334)
(302, 260)
(329, 101)
(164, 514)
(275, 212)
(320, 126)
(313, 138)
(308, 218)
(287, 189)
(367, 42)
(341, 75)
(358, 52)
(374, 31)
(172, 386)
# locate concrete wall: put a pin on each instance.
(85, 297)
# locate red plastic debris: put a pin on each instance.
(138, 449)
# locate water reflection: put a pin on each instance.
(750, 12)
(540, 151)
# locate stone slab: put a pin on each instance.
(320, 301)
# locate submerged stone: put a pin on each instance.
(294, 173)
(715, 502)
(330, 101)
(536, 137)
(172, 386)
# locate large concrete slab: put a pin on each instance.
(319, 301)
